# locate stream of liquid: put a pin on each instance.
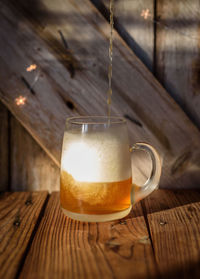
(110, 58)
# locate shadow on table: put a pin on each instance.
(191, 270)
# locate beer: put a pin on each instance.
(96, 177)
(94, 197)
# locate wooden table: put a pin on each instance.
(160, 238)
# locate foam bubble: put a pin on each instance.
(96, 156)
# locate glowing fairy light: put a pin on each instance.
(31, 68)
(20, 101)
(145, 13)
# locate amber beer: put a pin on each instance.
(96, 176)
(94, 197)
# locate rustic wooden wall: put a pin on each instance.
(168, 42)
(137, 32)
(165, 48)
(31, 168)
(4, 148)
(178, 53)
(23, 165)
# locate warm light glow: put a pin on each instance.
(75, 158)
(95, 157)
(145, 13)
(20, 101)
(31, 68)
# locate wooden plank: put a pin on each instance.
(161, 200)
(4, 146)
(137, 32)
(19, 213)
(177, 55)
(63, 248)
(162, 123)
(31, 168)
(175, 235)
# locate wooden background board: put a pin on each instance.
(170, 132)
(178, 53)
(4, 148)
(23, 164)
(30, 166)
(169, 44)
(136, 32)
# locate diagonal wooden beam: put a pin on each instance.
(137, 32)
(178, 54)
(73, 80)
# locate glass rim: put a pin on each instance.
(94, 120)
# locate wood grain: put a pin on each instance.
(31, 168)
(19, 213)
(175, 236)
(141, 97)
(63, 248)
(137, 32)
(4, 148)
(178, 53)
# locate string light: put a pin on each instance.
(31, 68)
(145, 13)
(20, 101)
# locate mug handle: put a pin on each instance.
(152, 182)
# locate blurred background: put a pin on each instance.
(54, 63)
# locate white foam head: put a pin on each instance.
(96, 156)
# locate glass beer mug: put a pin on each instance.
(96, 182)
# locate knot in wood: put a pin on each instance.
(163, 223)
(17, 221)
(144, 240)
(29, 200)
(122, 222)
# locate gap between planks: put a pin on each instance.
(39, 219)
